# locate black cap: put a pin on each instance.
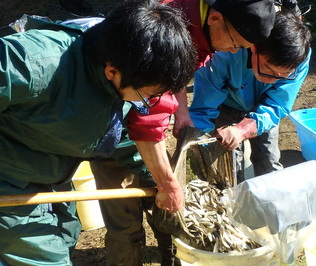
(253, 19)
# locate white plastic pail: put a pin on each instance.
(310, 250)
(188, 255)
(248, 167)
(88, 211)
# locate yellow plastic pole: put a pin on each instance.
(67, 196)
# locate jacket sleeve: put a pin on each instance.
(208, 92)
(152, 126)
(14, 74)
(26, 67)
(279, 100)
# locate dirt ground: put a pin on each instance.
(90, 247)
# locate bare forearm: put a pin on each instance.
(183, 101)
(170, 195)
(154, 155)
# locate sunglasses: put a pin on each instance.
(149, 102)
(291, 76)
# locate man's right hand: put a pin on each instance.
(231, 136)
(170, 196)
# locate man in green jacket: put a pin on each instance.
(63, 98)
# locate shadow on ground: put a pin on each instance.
(291, 157)
(90, 256)
(97, 256)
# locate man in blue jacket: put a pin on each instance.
(63, 96)
(245, 95)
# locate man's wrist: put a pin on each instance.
(248, 128)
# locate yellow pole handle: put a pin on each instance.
(67, 196)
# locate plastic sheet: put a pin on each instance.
(84, 22)
(20, 24)
(279, 207)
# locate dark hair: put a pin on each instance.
(289, 42)
(147, 42)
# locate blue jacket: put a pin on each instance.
(228, 79)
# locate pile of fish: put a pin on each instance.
(207, 223)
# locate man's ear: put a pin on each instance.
(214, 17)
(253, 49)
(110, 72)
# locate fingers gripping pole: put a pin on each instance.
(67, 196)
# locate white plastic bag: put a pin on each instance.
(279, 207)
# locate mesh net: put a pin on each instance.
(197, 156)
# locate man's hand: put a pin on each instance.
(182, 120)
(231, 136)
(170, 197)
(182, 115)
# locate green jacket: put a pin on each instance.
(55, 106)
